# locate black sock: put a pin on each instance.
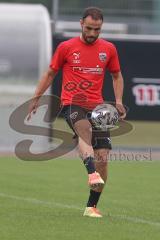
(89, 164)
(93, 198)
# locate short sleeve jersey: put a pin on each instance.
(83, 67)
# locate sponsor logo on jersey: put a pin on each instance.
(96, 70)
(102, 56)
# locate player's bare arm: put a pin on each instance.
(42, 86)
(118, 85)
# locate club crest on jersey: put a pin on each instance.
(102, 56)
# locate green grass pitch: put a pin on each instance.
(46, 200)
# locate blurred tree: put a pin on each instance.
(115, 8)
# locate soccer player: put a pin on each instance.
(84, 61)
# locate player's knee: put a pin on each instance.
(83, 130)
(82, 125)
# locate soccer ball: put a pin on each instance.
(104, 116)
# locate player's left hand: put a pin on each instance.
(121, 110)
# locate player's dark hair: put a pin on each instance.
(94, 12)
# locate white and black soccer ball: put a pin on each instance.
(104, 116)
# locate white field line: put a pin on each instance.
(60, 205)
(41, 202)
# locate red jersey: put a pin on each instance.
(84, 66)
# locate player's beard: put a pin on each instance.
(88, 39)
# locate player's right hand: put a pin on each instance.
(32, 107)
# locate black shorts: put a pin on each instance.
(74, 113)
